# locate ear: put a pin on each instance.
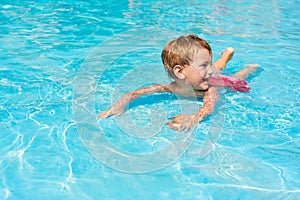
(178, 71)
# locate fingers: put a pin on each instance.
(109, 113)
(187, 129)
(229, 51)
(177, 125)
(104, 114)
(252, 67)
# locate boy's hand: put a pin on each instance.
(114, 110)
(183, 122)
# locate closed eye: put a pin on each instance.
(203, 66)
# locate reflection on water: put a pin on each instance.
(43, 46)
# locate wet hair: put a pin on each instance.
(181, 52)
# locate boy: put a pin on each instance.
(187, 60)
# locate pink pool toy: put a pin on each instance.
(233, 83)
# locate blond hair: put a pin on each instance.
(181, 51)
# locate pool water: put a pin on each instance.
(63, 62)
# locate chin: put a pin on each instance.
(203, 86)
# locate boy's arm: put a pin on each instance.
(186, 122)
(118, 107)
(225, 58)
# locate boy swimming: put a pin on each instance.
(188, 61)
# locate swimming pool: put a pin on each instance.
(62, 60)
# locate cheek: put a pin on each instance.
(200, 73)
(196, 78)
(196, 72)
(195, 75)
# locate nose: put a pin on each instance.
(210, 71)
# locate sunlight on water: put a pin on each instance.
(248, 149)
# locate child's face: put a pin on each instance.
(196, 72)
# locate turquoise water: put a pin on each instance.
(63, 62)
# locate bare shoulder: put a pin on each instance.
(183, 92)
(157, 88)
